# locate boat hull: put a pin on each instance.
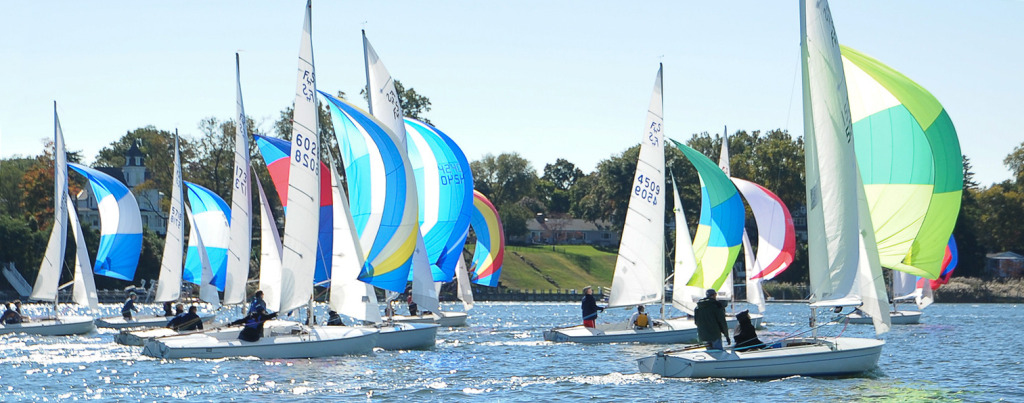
(445, 319)
(281, 339)
(896, 318)
(807, 357)
(407, 336)
(668, 331)
(118, 322)
(65, 326)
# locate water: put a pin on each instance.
(960, 353)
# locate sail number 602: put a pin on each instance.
(305, 152)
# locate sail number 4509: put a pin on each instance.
(647, 189)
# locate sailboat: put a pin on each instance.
(48, 278)
(284, 339)
(844, 265)
(639, 269)
(909, 157)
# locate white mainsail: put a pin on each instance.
(386, 107)
(169, 283)
(727, 290)
(300, 236)
(349, 296)
(755, 295)
(48, 277)
(270, 254)
(207, 291)
(684, 297)
(84, 288)
(465, 290)
(240, 245)
(640, 267)
(843, 265)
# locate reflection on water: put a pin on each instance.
(501, 356)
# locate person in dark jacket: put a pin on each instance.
(129, 306)
(168, 311)
(10, 316)
(333, 319)
(253, 324)
(188, 321)
(745, 334)
(257, 302)
(709, 317)
(589, 307)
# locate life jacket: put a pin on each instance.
(641, 320)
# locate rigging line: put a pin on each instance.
(792, 88)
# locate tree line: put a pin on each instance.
(988, 220)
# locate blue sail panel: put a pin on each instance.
(120, 225)
(212, 217)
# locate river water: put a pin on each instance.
(960, 352)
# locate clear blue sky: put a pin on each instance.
(563, 79)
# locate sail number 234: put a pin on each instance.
(647, 189)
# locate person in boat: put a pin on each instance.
(413, 308)
(252, 329)
(745, 334)
(640, 319)
(129, 306)
(589, 307)
(389, 311)
(10, 316)
(167, 309)
(257, 302)
(333, 319)
(709, 316)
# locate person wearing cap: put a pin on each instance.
(129, 306)
(709, 317)
(589, 307)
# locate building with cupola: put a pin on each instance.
(132, 174)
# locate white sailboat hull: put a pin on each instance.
(807, 357)
(896, 318)
(281, 339)
(65, 326)
(445, 319)
(140, 337)
(407, 336)
(118, 322)
(670, 331)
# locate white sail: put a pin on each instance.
(726, 291)
(386, 107)
(270, 254)
(84, 288)
(207, 291)
(684, 297)
(300, 234)
(349, 296)
(465, 290)
(424, 293)
(640, 266)
(755, 295)
(169, 284)
(45, 287)
(840, 258)
(384, 103)
(240, 245)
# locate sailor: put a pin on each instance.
(186, 321)
(709, 317)
(10, 316)
(253, 324)
(257, 302)
(333, 319)
(589, 307)
(640, 319)
(129, 306)
(167, 309)
(745, 334)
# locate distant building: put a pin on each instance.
(1004, 265)
(799, 215)
(568, 230)
(132, 174)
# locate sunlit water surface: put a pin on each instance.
(959, 353)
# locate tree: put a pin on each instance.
(1015, 161)
(563, 174)
(972, 253)
(505, 179)
(158, 148)
(36, 187)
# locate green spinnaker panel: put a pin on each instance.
(898, 167)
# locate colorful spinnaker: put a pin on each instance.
(720, 230)
(490, 242)
(211, 216)
(120, 225)
(444, 184)
(382, 194)
(275, 153)
(909, 159)
(949, 262)
(776, 237)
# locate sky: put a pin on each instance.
(548, 80)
